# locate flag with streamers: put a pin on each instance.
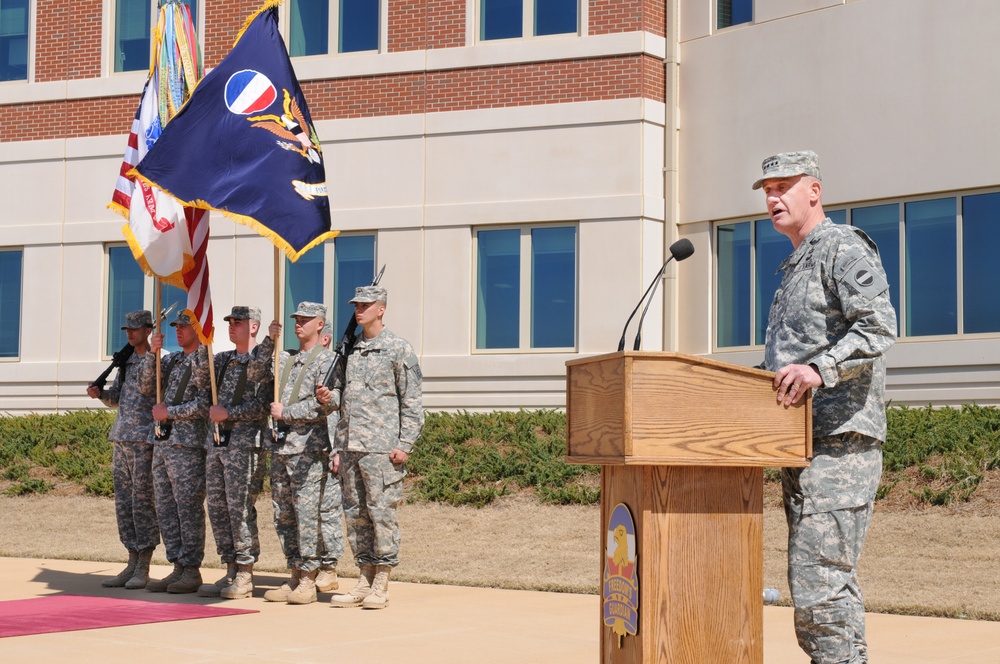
(245, 145)
(168, 240)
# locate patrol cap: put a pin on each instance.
(310, 310)
(243, 313)
(136, 319)
(182, 319)
(789, 164)
(327, 329)
(369, 294)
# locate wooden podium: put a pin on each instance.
(682, 442)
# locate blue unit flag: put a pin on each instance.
(244, 144)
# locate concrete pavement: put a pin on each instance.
(424, 624)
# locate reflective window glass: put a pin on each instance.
(980, 248)
(500, 19)
(14, 16)
(126, 292)
(358, 25)
(733, 288)
(498, 288)
(133, 25)
(555, 17)
(553, 287)
(354, 265)
(10, 303)
(770, 249)
(303, 283)
(308, 27)
(931, 272)
(733, 12)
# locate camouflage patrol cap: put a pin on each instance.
(327, 329)
(243, 313)
(370, 294)
(789, 164)
(310, 310)
(182, 319)
(136, 319)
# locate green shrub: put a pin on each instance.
(30, 485)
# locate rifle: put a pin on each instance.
(347, 340)
(121, 357)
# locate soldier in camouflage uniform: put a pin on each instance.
(830, 325)
(331, 519)
(381, 417)
(301, 453)
(179, 453)
(133, 457)
(233, 471)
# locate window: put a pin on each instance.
(938, 254)
(505, 19)
(355, 23)
(733, 12)
(308, 280)
(134, 21)
(10, 302)
(529, 303)
(14, 40)
(130, 290)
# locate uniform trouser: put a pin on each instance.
(135, 510)
(823, 553)
(331, 523)
(373, 487)
(179, 485)
(297, 484)
(232, 483)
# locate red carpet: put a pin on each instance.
(66, 613)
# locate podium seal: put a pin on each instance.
(621, 585)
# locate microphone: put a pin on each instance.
(678, 250)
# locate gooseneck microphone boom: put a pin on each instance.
(678, 250)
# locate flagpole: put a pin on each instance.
(277, 316)
(158, 309)
(215, 392)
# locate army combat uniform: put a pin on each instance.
(233, 470)
(381, 410)
(301, 459)
(832, 311)
(132, 461)
(179, 459)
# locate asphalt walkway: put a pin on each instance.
(423, 624)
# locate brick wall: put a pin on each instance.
(68, 46)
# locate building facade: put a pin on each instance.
(520, 168)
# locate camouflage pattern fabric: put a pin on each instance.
(373, 488)
(132, 459)
(381, 410)
(232, 473)
(304, 415)
(179, 485)
(331, 515)
(832, 310)
(179, 461)
(297, 485)
(135, 511)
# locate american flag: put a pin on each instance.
(167, 240)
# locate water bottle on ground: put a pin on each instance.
(771, 595)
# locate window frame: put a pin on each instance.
(525, 290)
(20, 313)
(528, 9)
(329, 258)
(333, 30)
(958, 261)
(111, 32)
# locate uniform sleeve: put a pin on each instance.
(860, 283)
(256, 402)
(147, 375)
(411, 410)
(112, 397)
(308, 410)
(261, 368)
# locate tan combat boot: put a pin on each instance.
(189, 582)
(242, 586)
(360, 590)
(305, 592)
(160, 585)
(123, 576)
(141, 575)
(281, 594)
(213, 589)
(378, 598)
(327, 580)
